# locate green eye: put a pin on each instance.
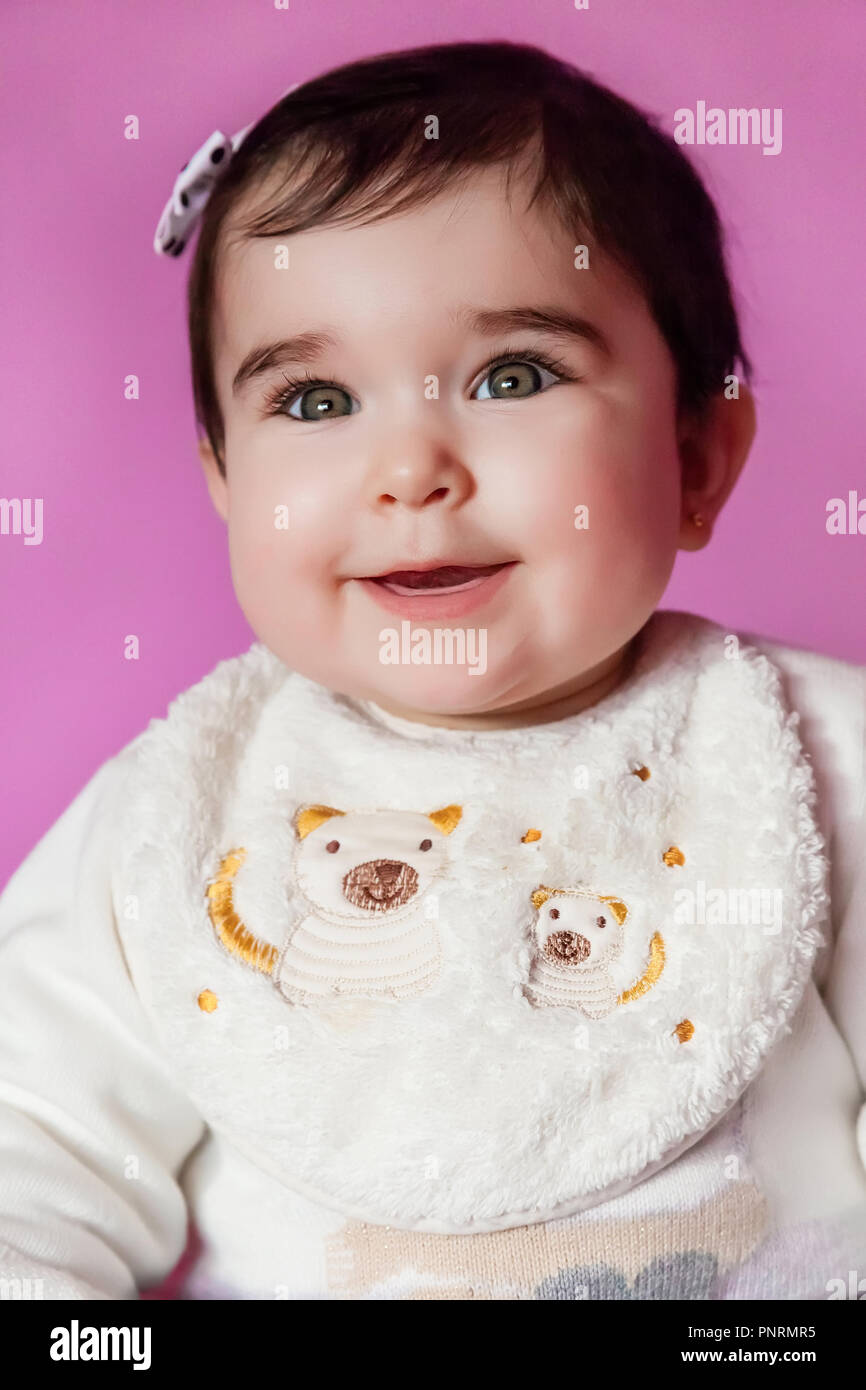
(513, 377)
(514, 381)
(320, 403)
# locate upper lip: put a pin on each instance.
(419, 566)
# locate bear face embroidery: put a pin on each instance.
(367, 876)
(350, 864)
(578, 935)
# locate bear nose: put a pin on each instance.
(380, 883)
(388, 870)
(567, 947)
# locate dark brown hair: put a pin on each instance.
(350, 146)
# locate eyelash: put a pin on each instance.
(285, 393)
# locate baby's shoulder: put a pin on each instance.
(827, 692)
(214, 718)
(207, 728)
(829, 696)
(814, 665)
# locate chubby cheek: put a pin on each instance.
(603, 516)
(284, 542)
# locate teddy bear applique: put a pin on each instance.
(371, 931)
(578, 935)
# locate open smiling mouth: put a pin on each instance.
(447, 579)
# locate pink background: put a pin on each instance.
(131, 544)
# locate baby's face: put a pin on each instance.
(440, 438)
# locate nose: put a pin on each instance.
(567, 947)
(388, 870)
(417, 469)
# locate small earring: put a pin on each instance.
(697, 520)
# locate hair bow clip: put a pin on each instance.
(193, 187)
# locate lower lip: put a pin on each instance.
(429, 604)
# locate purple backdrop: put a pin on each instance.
(130, 543)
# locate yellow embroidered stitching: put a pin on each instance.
(310, 817)
(541, 894)
(650, 975)
(447, 819)
(207, 1001)
(261, 955)
(673, 856)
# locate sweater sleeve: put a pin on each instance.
(93, 1129)
(830, 698)
(845, 989)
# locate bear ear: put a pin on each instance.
(447, 819)
(540, 896)
(619, 909)
(309, 817)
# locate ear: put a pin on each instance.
(310, 817)
(447, 819)
(619, 909)
(713, 447)
(216, 483)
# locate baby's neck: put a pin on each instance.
(558, 703)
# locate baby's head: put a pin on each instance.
(462, 307)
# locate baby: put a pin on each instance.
(484, 931)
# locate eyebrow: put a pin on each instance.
(554, 321)
(309, 347)
(302, 347)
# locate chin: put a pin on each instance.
(441, 691)
(461, 693)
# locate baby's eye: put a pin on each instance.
(426, 844)
(513, 380)
(318, 403)
(305, 397)
(332, 846)
(601, 921)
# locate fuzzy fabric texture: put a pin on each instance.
(464, 1106)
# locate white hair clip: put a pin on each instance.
(194, 185)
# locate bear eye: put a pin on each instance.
(600, 921)
(554, 912)
(332, 846)
(426, 844)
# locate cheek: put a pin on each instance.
(605, 494)
(286, 534)
(612, 454)
(283, 516)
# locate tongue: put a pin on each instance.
(441, 578)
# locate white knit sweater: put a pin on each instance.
(386, 1010)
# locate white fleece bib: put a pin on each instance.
(455, 982)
